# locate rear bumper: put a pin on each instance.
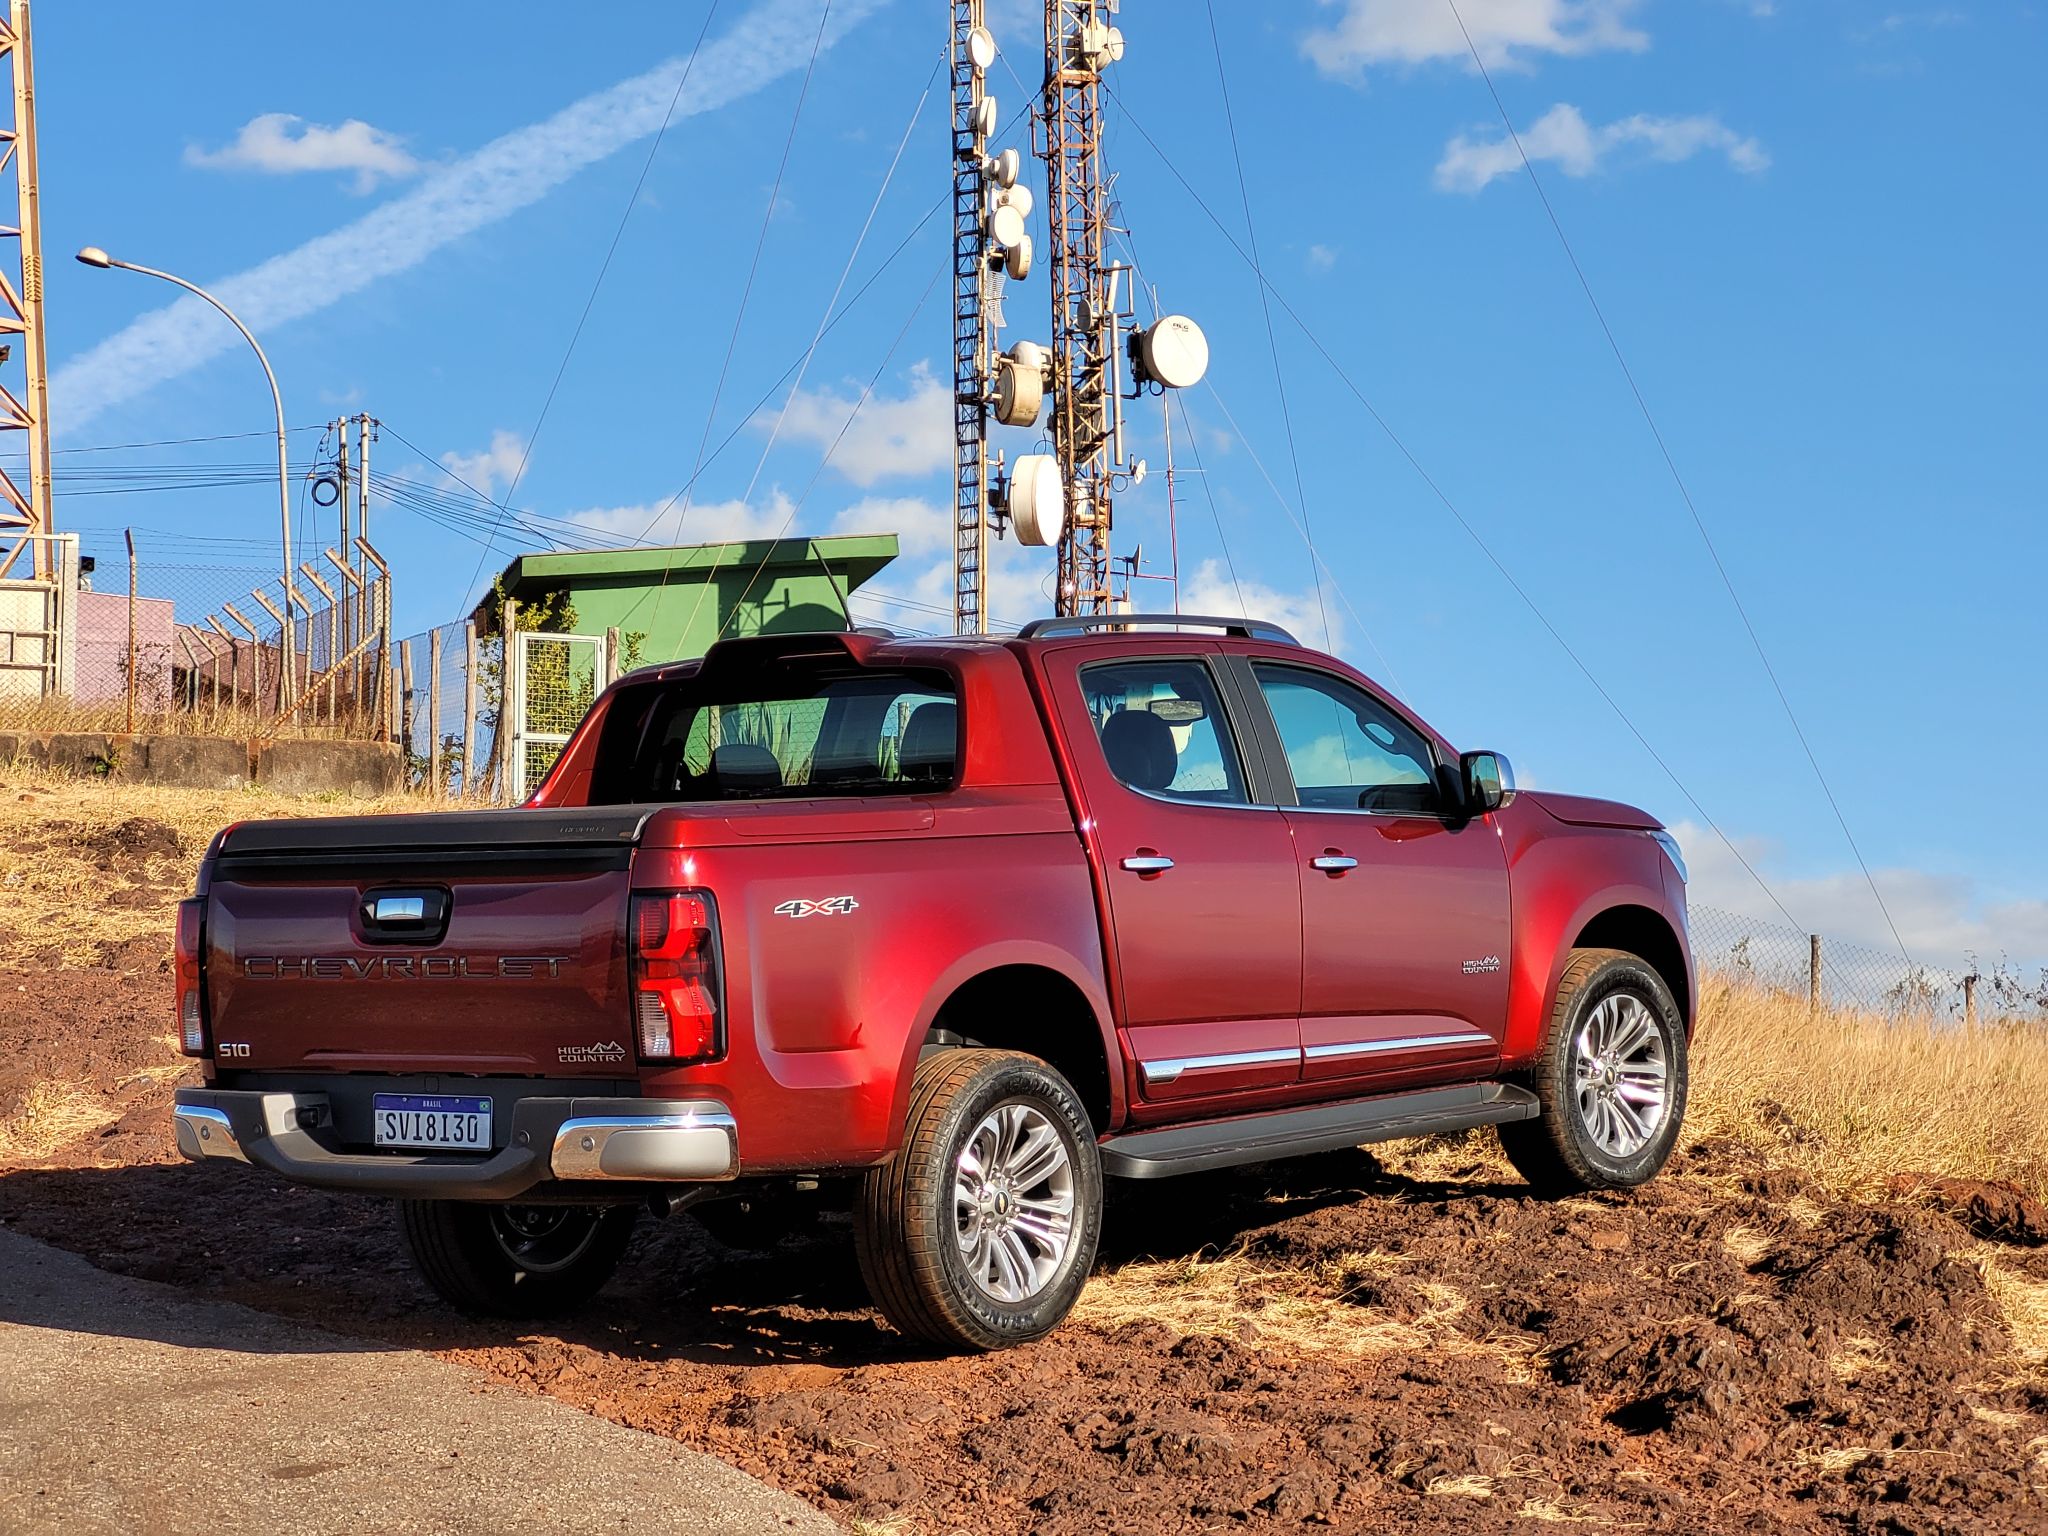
(567, 1141)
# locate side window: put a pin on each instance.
(1345, 749)
(1162, 730)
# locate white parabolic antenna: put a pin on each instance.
(1173, 352)
(1037, 504)
(1007, 167)
(981, 48)
(1005, 225)
(1016, 197)
(985, 116)
(1017, 259)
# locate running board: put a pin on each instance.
(1320, 1128)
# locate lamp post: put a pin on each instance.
(288, 683)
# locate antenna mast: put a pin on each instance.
(23, 518)
(1085, 413)
(972, 331)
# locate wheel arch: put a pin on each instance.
(1018, 998)
(1647, 934)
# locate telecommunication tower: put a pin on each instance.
(24, 514)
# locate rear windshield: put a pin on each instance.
(780, 736)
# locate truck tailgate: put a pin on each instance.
(471, 942)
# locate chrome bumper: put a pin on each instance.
(571, 1140)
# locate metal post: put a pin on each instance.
(470, 777)
(341, 501)
(508, 695)
(611, 655)
(1813, 974)
(405, 700)
(973, 342)
(1970, 1001)
(129, 534)
(434, 711)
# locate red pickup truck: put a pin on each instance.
(958, 927)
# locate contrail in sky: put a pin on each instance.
(509, 173)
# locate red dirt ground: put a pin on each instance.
(1726, 1350)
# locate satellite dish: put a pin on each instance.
(1028, 354)
(985, 117)
(1007, 165)
(981, 48)
(1005, 225)
(1172, 352)
(1139, 471)
(1019, 198)
(1099, 45)
(1037, 506)
(1020, 392)
(1017, 258)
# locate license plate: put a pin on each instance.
(431, 1121)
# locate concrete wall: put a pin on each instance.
(212, 762)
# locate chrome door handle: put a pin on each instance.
(1148, 863)
(1333, 863)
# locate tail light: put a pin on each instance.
(677, 998)
(191, 991)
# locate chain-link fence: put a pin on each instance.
(156, 641)
(1831, 972)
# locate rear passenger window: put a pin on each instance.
(1162, 730)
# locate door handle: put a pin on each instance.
(1333, 863)
(1148, 863)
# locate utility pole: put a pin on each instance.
(24, 517)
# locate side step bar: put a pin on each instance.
(1320, 1128)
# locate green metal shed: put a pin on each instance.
(674, 601)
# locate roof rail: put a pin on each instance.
(1082, 623)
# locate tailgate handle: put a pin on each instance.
(405, 914)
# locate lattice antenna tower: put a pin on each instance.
(1067, 497)
(24, 407)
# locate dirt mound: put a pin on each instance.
(1727, 1350)
(129, 845)
(1994, 1209)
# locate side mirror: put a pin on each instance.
(1489, 781)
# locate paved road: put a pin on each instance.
(126, 1406)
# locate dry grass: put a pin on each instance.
(239, 723)
(1851, 1099)
(55, 895)
(50, 1117)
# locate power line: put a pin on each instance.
(1272, 341)
(1677, 479)
(604, 267)
(1386, 428)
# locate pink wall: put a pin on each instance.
(100, 670)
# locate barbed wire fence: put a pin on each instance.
(1834, 973)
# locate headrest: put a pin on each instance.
(1139, 746)
(931, 741)
(741, 768)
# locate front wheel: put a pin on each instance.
(980, 1232)
(515, 1260)
(1612, 1079)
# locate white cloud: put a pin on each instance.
(279, 144)
(1507, 33)
(922, 528)
(1210, 590)
(1563, 137)
(1944, 919)
(508, 174)
(1321, 258)
(703, 522)
(889, 438)
(488, 468)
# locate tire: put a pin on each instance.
(961, 1251)
(515, 1260)
(1592, 1132)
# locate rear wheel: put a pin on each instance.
(1612, 1079)
(515, 1260)
(980, 1232)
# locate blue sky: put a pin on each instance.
(1814, 228)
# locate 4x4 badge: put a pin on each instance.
(831, 906)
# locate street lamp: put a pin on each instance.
(93, 256)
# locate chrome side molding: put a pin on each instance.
(1159, 1072)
